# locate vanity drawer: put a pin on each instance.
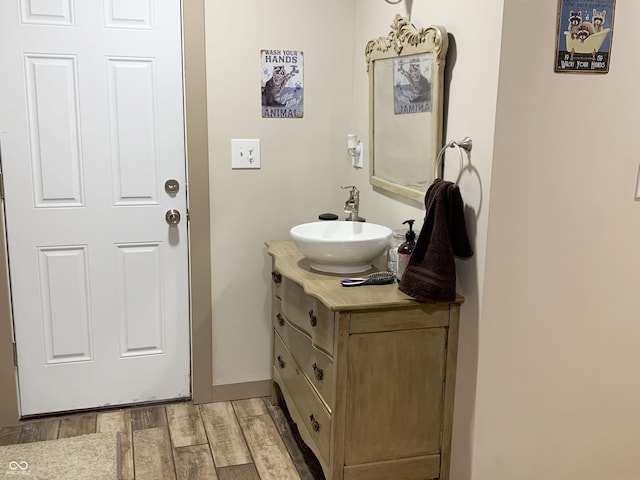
(306, 408)
(382, 320)
(308, 314)
(316, 365)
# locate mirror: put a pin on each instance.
(406, 73)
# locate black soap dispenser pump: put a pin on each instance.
(406, 249)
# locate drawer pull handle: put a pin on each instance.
(280, 319)
(277, 278)
(318, 371)
(314, 423)
(281, 362)
(313, 318)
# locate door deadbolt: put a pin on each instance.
(171, 186)
(172, 217)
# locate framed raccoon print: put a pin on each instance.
(282, 89)
(406, 74)
(585, 28)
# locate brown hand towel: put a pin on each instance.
(430, 275)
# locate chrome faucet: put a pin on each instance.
(352, 205)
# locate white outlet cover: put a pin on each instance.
(245, 153)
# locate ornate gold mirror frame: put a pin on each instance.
(406, 76)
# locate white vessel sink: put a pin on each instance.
(340, 246)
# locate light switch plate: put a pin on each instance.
(245, 153)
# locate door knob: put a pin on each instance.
(172, 216)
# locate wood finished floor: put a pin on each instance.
(239, 440)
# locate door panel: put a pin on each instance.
(142, 331)
(132, 119)
(64, 293)
(91, 127)
(46, 12)
(54, 136)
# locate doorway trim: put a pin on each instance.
(197, 148)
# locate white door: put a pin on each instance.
(91, 127)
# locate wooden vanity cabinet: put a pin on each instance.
(367, 373)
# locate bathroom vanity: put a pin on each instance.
(367, 373)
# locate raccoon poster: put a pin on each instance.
(585, 28)
(412, 83)
(282, 84)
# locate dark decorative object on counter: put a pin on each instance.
(327, 216)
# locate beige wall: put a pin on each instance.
(298, 179)
(558, 390)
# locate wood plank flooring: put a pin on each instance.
(239, 440)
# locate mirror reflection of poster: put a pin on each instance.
(412, 83)
(282, 84)
(585, 28)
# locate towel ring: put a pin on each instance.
(465, 144)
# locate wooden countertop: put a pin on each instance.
(326, 286)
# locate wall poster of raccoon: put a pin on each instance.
(282, 84)
(585, 28)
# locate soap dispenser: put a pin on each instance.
(406, 249)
